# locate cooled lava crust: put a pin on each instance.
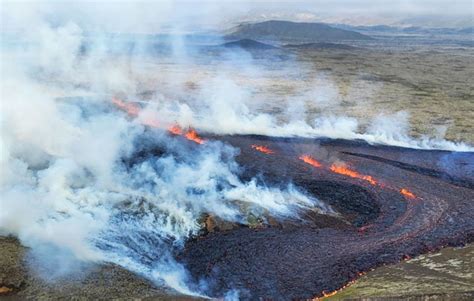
(377, 224)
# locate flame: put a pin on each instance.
(190, 134)
(326, 295)
(310, 160)
(130, 108)
(5, 290)
(134, 110)
(351, 173)
(175, 130)
(262, 149)
(407, 193)
(193, 136)
(330, 294)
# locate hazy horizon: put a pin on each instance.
(158, 17)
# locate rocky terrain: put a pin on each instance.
(375, 223)
(381, 224)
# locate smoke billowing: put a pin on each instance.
(79, 177)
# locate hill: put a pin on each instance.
(321, 45)
(248, 44)
(292, 31)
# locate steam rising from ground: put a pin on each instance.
(73, 179)
(70, 180)
(230, 115)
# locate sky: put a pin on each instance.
(155, 16)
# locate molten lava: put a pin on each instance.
(175, 130)
(192, 135)
(310, 160)
(134, 110)
(330, 294)
(262, 149)
(327, 295)
(352, 173)
(130, 108)
(407, 193)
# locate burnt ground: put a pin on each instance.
(321, 254)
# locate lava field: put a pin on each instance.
(392, 204)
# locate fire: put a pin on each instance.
(330, 294)
(310, 160)
(407, 193)
(262, 149)
(193, 136)
(4, 290)
(354, 174)
(130, 108)
(326, 295)
(175, 130)
(351, 173)
(134, 110)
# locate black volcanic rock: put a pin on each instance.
(247, 44)
(321, 45)
(377, 224)
(291, 31)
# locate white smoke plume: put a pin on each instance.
(65, 185)
(216, 112)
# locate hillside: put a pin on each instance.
(321, 45)
(291, 31)
(247, 44)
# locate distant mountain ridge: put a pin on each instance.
(404, 30)
(321, 45)
(293, 31)
(248, 44)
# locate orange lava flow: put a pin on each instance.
(262, 149)
(128, 107)
(134, 110)
(330, 294)
(193, 136)
(339, 169)
(407, 193)
(310, 160)
(351, 173)
(175, 130)
(326, 295)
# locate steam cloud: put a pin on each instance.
(67, 181)
(68, 184)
